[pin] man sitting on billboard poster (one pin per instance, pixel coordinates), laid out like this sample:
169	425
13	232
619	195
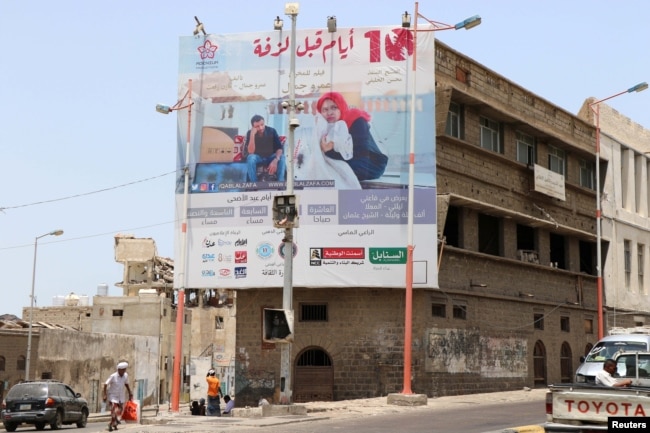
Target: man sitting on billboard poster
263	146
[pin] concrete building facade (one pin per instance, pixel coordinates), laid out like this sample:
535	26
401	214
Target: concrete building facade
625	203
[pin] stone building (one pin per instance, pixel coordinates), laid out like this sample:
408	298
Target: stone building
516	304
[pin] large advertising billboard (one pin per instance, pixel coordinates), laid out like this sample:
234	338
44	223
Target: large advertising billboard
350	158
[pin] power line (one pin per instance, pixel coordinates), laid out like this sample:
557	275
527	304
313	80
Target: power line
4	208
88	236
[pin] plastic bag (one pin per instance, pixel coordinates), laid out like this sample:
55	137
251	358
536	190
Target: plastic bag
130	412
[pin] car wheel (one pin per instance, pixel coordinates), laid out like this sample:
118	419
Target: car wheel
84	419
40	426
10	426
57	422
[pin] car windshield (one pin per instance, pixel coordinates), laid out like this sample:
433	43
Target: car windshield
606	349
31	390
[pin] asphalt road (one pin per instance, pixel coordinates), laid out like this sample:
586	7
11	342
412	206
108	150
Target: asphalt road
472	419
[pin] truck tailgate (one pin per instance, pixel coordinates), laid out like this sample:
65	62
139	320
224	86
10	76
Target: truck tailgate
595	404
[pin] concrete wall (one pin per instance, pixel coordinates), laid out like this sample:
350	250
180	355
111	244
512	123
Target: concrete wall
13	349
84	361
149	315
77	317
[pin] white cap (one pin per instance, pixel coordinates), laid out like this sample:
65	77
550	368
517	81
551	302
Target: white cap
122	365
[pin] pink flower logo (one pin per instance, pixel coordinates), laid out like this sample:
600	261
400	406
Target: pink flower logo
207	50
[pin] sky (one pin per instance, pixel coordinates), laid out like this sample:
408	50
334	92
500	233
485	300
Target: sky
83	150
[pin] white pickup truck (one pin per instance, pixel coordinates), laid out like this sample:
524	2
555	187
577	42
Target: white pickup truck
586	407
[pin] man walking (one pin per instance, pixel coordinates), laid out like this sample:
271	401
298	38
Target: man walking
263	146
114	393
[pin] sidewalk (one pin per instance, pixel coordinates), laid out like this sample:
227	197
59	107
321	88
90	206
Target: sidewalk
274	415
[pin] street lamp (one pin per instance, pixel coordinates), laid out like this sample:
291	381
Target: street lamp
31	302
178	349
408	313
291	10
595	107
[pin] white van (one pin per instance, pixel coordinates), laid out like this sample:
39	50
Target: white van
618	340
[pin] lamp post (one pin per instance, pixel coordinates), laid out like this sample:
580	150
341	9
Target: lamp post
408	307
182	274
291	10
595	107
31	302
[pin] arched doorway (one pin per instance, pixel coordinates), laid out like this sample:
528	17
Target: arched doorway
566	363
314	376
539	364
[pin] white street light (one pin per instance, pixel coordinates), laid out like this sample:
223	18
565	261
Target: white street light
182	270
595	107
31	302
408	313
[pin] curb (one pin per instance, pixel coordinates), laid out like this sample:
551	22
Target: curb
525	429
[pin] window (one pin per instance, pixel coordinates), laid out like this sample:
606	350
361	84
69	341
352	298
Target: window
525	237
587	174
118	313
20	363
218	322
454	127
558	244
460	310
490	138
589	326
525	148
489	235
564	324
640	259
313	312
2	363
556	160
587	257
627	260
538	321
453	227
438	309
566	366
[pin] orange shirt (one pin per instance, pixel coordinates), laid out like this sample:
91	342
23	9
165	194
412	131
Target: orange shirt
213	386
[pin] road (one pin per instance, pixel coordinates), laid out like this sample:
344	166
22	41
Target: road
464	416
472	419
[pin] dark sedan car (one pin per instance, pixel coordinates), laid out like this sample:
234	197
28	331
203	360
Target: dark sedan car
43	403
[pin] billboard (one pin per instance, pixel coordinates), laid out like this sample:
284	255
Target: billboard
350	158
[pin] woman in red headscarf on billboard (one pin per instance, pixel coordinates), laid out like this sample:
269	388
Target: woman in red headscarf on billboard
367	161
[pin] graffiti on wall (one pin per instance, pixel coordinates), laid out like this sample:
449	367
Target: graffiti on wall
466	351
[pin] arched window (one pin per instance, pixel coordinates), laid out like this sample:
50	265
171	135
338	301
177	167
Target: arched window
566	363
20	364
314	357
539	364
